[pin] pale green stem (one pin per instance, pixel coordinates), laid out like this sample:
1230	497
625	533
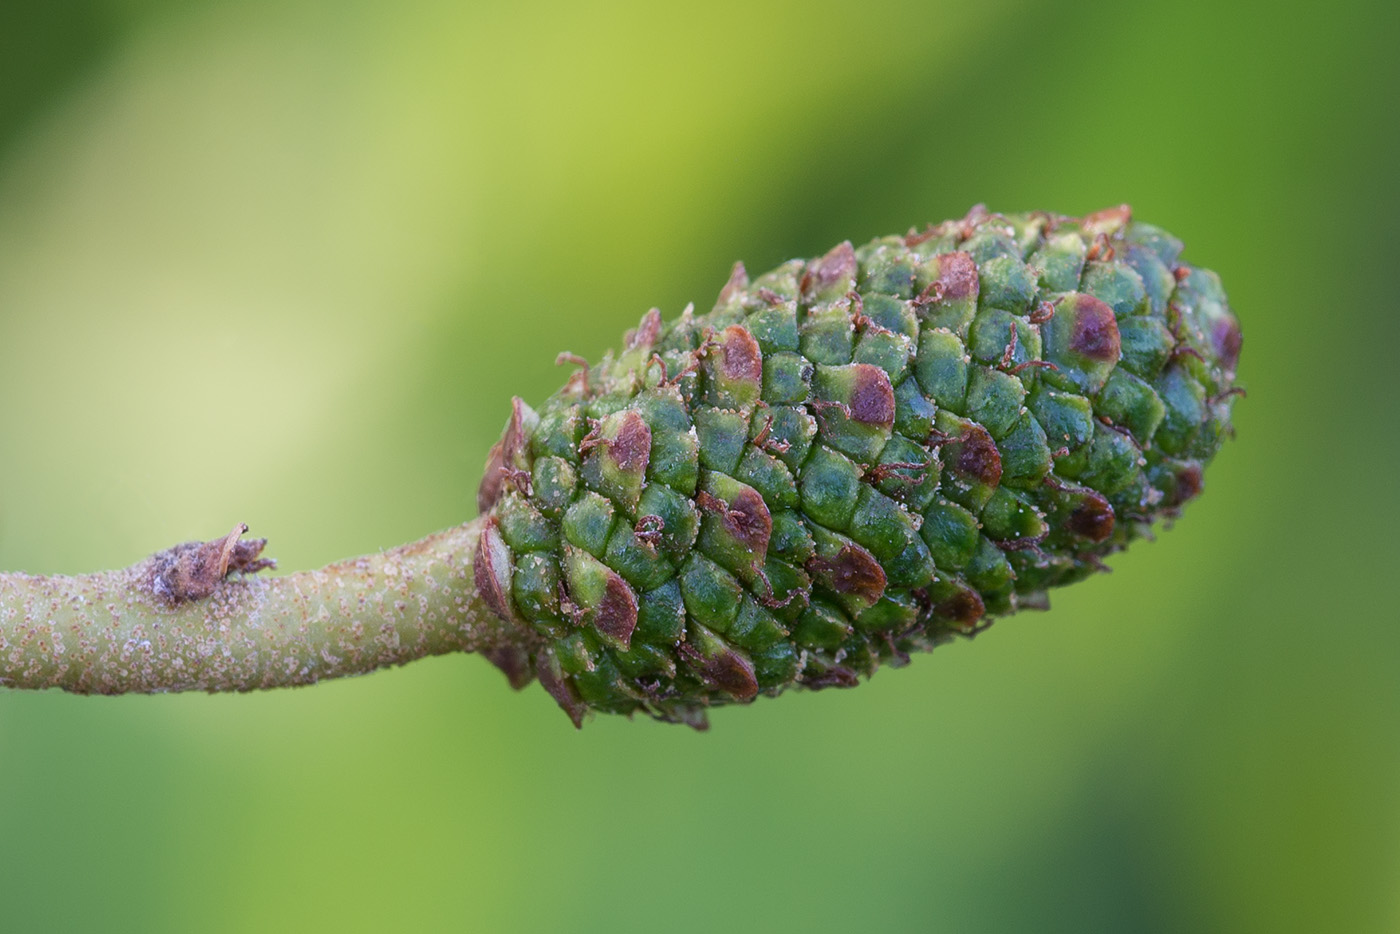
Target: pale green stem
110	632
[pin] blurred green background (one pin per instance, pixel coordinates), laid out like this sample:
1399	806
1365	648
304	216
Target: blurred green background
286	262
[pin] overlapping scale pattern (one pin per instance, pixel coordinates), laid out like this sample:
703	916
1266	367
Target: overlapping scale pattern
853	458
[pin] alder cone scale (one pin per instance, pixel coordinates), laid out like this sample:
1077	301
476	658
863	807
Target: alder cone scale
853	458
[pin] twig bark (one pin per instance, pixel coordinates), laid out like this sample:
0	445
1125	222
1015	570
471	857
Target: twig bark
174	622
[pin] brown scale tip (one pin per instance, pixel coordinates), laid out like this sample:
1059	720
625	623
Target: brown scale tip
726	670
740	358
631	447
839	263
738	281
1092	519
503	454
872	396
647	331
514	663
1228	342
561	689
975	455
852	571
963	609
1189	482
1109	220
837	676
191	570
491	570
1095	332
617	611
957	273
746	519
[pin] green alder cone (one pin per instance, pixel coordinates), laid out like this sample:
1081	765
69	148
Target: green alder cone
851	459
